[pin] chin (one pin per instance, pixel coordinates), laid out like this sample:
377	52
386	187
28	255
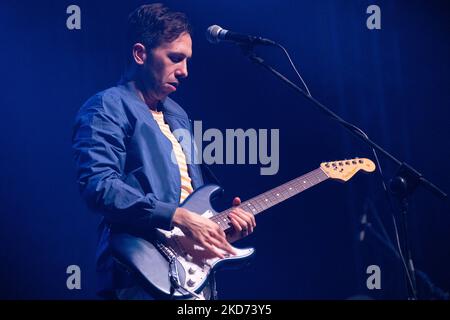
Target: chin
163	94
169	91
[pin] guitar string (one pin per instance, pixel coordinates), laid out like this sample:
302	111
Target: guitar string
275	195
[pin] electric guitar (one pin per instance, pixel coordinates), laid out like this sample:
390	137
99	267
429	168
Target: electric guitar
173	265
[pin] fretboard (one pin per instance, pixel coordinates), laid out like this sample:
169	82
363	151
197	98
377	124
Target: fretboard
274	196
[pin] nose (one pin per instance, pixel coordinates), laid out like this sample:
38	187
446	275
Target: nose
182	70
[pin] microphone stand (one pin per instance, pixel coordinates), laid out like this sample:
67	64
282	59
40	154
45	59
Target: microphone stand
402	185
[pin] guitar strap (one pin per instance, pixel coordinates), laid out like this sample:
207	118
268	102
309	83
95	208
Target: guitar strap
212	284
210	174
212	277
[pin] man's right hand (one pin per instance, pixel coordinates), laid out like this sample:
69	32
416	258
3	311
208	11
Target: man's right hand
202	230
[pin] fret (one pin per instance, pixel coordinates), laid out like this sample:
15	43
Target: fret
308	182
277	196
301	183
253	208
267	202
291	189
256	205
261	203
273	198
222	220
250	206
285	194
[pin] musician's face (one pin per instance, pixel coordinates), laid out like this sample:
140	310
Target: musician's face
167	64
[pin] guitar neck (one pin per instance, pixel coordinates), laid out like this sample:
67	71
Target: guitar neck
274	196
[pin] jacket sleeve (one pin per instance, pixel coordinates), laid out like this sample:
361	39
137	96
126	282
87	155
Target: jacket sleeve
99	144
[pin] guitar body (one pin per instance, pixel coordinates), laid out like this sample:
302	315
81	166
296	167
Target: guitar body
150	258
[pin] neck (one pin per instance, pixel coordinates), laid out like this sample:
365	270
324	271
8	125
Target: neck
143	89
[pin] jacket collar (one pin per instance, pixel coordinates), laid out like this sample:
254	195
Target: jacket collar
167	106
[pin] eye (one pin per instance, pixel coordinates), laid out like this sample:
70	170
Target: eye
176	58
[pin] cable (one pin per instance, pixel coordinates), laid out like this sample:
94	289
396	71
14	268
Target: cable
293	67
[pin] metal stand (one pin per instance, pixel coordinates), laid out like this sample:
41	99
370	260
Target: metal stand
401	186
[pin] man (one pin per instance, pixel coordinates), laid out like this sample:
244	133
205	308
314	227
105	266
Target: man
123	142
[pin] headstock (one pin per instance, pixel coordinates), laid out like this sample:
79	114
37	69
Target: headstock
344	170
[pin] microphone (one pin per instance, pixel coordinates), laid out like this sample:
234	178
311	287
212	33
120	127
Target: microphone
215	34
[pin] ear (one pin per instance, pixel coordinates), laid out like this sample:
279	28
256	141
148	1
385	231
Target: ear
139	53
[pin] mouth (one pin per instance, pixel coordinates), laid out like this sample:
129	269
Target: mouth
174	84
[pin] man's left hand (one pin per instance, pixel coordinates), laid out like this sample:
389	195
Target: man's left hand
242	221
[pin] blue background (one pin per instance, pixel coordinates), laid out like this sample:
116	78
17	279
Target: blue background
392	82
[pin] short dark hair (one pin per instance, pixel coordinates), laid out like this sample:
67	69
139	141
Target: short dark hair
154	24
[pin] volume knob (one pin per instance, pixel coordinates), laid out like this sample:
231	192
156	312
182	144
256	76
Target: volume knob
190	283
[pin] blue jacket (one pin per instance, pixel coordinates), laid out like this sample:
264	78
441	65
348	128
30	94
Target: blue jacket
125	171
